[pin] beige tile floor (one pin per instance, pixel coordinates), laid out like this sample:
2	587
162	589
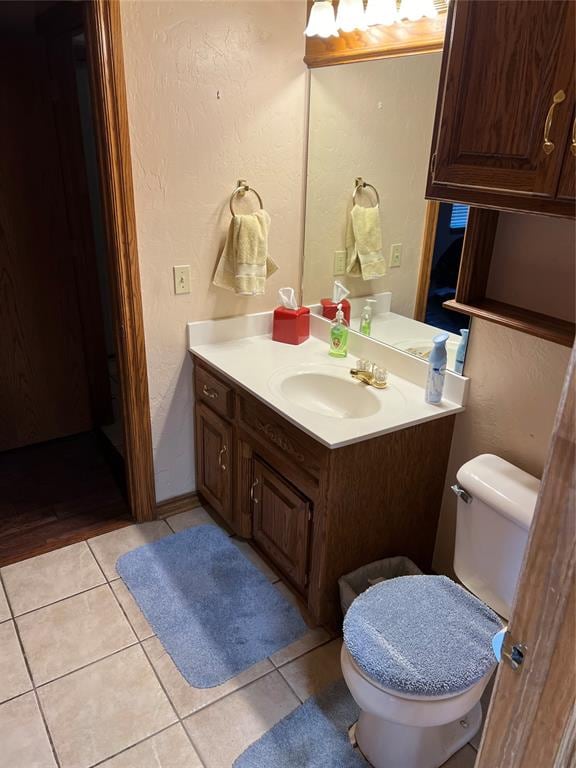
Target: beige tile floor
84	682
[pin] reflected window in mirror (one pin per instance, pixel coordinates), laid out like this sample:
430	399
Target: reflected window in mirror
450	230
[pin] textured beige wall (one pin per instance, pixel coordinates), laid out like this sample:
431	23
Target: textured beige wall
371	119
534	264
216	92
515	386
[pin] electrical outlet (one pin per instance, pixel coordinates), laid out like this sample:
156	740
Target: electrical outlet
182	279
396	254
340	259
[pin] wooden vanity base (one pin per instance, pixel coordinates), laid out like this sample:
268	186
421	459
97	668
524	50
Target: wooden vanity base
316	513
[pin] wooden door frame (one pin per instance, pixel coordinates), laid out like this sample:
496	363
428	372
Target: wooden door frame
426	255
102	26
531	720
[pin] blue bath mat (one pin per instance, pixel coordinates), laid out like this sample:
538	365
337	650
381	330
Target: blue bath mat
213	611
313	736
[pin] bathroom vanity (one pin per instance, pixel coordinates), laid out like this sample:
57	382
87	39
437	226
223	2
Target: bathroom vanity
317	495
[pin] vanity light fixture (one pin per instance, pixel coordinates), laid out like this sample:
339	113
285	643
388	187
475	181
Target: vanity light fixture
381	12
416	9
351	15
322	22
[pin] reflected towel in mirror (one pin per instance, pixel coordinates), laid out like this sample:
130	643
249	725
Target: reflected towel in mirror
245	264
364	243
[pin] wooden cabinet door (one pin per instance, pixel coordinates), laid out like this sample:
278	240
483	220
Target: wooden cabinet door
214	460
567	185
503	64
281	523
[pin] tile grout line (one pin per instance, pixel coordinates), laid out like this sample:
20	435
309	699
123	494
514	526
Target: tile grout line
278	667
29	670
290	687
160	683
141	644
181	719
131	746
60	600
275	668
85	666
138	642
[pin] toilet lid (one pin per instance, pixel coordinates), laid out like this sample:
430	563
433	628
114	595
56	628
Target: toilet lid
421	635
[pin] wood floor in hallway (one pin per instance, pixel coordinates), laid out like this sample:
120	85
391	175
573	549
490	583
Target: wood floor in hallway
57	493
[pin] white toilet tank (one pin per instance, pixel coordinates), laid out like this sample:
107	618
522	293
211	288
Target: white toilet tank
494	516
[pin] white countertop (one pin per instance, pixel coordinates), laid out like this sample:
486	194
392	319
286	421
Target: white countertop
255	362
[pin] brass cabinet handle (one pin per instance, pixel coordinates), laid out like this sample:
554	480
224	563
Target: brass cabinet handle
211	393
221	453
573	145
252	489
548	145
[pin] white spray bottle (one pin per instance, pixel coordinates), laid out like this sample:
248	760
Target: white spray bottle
436	369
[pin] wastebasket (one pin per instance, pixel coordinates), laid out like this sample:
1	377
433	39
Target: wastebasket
353	584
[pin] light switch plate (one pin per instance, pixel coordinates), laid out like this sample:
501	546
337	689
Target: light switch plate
396	254
339	263
182	279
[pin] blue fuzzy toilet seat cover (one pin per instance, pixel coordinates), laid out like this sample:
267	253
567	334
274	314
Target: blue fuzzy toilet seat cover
421	635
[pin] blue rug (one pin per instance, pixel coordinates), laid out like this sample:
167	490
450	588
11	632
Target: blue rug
213	611
313	736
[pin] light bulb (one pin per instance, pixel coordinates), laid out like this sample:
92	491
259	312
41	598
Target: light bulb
429	9
321	22
411	10
350	15
381	12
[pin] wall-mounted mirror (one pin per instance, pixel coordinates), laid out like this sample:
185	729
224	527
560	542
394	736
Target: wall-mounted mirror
373	120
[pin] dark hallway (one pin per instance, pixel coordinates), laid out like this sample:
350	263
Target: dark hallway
61	453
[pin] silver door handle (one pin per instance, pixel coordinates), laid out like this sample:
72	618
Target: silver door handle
252	489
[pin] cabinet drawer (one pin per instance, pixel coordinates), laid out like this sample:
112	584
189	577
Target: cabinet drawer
272	430
210	390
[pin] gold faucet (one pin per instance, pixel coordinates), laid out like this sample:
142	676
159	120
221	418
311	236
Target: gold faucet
368	377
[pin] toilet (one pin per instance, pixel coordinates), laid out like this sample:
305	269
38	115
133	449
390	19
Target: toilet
417	651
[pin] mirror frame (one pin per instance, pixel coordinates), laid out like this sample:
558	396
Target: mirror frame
426	254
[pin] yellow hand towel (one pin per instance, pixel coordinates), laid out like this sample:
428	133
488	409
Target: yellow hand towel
364	243
245	263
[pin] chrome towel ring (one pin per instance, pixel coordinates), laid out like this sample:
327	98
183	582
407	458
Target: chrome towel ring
361	185
240	191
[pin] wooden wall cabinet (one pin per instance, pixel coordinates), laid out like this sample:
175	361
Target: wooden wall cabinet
316	513
500	140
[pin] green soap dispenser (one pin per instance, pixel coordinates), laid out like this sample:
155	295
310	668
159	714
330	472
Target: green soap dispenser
366	317
339	335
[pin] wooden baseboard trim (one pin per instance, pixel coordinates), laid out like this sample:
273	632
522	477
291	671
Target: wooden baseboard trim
177	504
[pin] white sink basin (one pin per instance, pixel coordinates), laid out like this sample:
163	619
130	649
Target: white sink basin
330	391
